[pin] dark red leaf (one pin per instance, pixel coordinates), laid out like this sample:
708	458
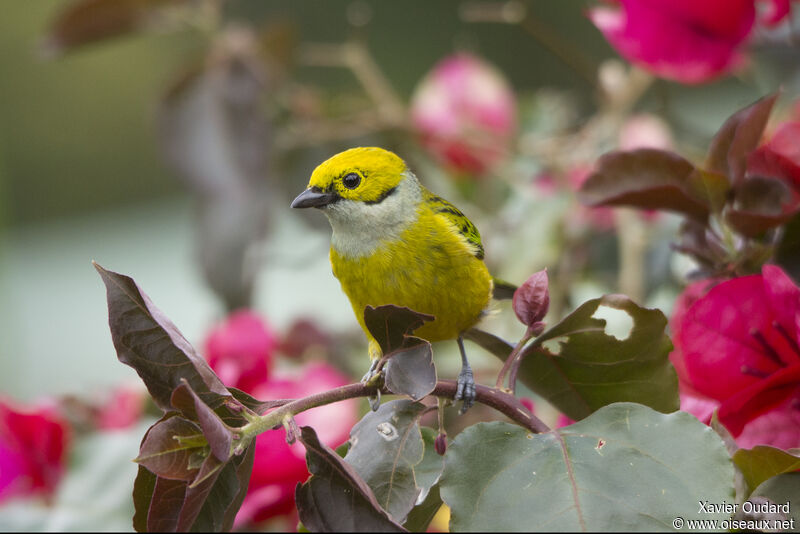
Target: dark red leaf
88	21
149	342
389	325
336	498
170	448
760	204
647	179
737	137
143	488
218	434
166	505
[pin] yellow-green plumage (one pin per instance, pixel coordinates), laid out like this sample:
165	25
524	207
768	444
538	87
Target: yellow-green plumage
394	242
432	269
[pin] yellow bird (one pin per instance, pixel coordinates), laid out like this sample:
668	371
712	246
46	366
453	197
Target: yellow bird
395	242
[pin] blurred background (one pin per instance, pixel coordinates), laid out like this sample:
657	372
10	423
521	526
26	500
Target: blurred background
165	139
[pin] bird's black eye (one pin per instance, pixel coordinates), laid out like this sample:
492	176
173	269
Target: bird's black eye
351	180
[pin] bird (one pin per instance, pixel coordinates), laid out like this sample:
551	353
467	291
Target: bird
395	242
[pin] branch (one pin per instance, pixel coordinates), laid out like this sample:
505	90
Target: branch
503	402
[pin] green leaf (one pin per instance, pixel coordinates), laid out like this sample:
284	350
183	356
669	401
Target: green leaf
410	370
647	179
335	498
625	467
737	137
168	456
148	341
422	514
386	445
579	367
390	325
428	471
427	474
762	463
783	489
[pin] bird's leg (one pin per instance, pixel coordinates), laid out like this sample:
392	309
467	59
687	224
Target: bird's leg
466	383
373	376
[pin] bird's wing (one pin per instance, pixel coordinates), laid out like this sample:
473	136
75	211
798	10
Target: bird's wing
462	225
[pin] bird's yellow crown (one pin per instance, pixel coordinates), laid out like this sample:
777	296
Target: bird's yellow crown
378	171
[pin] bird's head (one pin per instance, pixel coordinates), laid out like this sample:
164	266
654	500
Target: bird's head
367	193
365	174
359	182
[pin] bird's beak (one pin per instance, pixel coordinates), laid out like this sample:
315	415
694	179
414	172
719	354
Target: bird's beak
314	199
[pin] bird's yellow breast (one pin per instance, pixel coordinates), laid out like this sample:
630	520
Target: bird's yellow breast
429	269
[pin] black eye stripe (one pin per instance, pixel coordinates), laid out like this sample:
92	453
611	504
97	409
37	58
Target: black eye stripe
351	180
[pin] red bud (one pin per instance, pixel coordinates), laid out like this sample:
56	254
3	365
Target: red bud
532	299
440	444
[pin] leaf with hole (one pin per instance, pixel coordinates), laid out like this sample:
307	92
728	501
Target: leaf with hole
579	367
386	446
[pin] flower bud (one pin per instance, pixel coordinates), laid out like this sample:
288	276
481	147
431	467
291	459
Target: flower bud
465	113
440	444
531	300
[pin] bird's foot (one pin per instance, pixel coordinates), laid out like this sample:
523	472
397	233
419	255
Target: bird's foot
466	389
374	377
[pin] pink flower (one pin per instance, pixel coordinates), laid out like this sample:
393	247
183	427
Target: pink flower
122	409
465	113
645	130
736	345
683	40
240	350
279	466
33	450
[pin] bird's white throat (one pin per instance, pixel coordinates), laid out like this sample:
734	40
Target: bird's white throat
360	228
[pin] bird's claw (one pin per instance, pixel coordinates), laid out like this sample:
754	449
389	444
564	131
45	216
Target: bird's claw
374	377
465	390
375	400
